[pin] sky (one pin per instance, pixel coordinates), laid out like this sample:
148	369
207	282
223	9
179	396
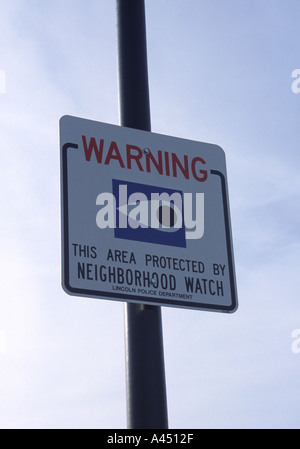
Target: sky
219	72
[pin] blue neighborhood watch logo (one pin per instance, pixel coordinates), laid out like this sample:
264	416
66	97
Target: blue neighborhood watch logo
146	213
153	214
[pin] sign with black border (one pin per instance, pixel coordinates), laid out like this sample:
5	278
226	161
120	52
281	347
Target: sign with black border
145	218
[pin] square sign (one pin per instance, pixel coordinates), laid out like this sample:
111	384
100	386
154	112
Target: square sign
145	218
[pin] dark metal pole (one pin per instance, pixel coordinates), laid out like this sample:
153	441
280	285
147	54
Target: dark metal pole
145	372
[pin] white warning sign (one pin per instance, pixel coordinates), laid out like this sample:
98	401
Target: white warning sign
145	218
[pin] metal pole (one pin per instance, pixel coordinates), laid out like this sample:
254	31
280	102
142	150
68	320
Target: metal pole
145	372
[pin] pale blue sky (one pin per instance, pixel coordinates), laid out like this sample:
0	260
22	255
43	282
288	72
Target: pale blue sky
220	72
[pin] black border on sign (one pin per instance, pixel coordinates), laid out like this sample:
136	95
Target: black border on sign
130	298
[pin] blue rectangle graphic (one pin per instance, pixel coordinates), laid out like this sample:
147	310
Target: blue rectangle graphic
148	213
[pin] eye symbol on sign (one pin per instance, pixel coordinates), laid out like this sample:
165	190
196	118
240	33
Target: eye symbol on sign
156	214
169	216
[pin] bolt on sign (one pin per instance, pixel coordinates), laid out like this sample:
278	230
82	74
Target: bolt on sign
145	218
